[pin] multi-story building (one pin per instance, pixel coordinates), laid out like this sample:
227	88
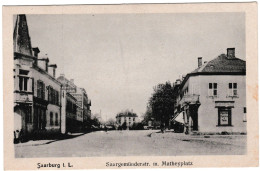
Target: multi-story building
69	113
212	98
36	92
81	99
126	118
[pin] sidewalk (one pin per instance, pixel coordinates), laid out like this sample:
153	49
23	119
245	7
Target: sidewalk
238	140
42	142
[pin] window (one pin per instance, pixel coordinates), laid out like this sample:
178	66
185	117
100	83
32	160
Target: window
53	96
23	82
56	119
40	89
224	117
232	87
213	89
23	72
133	119
244	118
51	118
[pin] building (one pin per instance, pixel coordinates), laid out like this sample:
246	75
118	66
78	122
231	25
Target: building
83	112
69	118
37	107
212	98
126	119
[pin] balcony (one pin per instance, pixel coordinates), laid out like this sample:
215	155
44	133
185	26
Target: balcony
189	99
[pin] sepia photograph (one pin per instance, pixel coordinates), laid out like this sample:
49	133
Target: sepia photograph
129	84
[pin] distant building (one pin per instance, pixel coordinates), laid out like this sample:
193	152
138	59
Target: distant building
83	112
37	107
212	98
126	119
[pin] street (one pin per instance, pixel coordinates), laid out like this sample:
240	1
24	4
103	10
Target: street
135	143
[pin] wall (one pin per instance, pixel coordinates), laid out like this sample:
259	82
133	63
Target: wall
54	109
208	114
48	81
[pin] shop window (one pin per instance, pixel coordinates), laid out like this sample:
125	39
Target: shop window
224	117
51	118
213	89
232	87
56	119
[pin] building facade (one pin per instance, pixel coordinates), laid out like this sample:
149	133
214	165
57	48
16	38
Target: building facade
81	100
212	98
37	108
69	118
126	119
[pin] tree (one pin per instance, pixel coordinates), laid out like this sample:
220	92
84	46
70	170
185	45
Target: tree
111	122
95	120
147	116
162	103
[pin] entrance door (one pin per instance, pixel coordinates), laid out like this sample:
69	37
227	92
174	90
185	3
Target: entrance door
194	116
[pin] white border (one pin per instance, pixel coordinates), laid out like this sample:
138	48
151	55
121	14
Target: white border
67	2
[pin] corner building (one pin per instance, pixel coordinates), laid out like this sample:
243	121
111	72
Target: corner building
212	98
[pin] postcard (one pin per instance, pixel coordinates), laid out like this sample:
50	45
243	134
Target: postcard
130	86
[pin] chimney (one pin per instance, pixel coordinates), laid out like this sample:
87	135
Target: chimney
199	61
54	66
72	80
36	51
230	53
46	64
46	60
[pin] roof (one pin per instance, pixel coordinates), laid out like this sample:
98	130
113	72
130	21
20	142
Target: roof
21	38
222	64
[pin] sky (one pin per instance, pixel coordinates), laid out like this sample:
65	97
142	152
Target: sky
118	58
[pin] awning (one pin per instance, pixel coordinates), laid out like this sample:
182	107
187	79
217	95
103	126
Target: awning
179	118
